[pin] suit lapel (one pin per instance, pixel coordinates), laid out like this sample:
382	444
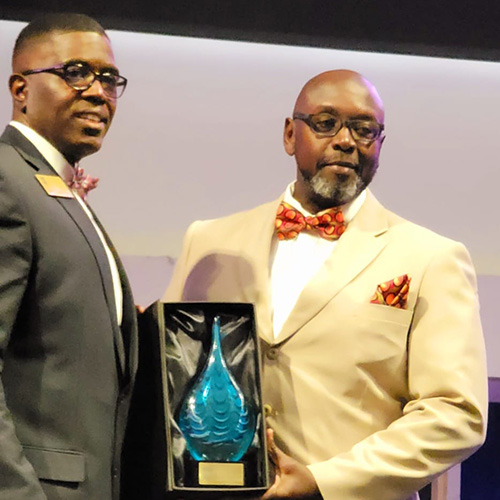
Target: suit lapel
358	246
129	321
86	227
26	149
33	157
258	239
126	334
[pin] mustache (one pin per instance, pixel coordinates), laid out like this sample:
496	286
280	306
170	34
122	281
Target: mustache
325	162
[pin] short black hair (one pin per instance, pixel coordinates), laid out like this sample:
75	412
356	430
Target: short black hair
48	23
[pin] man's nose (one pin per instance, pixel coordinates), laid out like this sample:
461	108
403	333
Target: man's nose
343	139
95	90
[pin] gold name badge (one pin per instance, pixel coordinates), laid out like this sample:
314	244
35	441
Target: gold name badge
54	186
221	474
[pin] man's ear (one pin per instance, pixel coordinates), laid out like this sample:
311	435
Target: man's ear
18	90
289	136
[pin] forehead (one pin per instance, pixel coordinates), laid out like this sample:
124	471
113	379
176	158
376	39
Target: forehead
58	47
347	97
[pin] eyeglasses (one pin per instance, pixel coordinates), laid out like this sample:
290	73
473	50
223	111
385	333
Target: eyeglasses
328	125
80	76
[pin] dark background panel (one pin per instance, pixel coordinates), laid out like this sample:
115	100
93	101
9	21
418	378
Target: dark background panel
480	473
464	29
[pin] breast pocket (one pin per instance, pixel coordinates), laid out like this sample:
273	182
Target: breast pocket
381	340
56	465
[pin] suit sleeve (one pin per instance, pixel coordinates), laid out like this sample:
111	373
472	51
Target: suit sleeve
445	419
18	479
174	292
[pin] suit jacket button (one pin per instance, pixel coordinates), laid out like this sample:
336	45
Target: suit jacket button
272	353
269	411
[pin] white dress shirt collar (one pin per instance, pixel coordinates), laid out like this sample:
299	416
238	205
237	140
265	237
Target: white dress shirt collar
349	210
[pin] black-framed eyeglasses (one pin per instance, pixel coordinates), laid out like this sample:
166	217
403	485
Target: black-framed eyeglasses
329	125
80	76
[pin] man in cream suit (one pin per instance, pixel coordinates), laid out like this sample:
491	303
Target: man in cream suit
68	335
374	370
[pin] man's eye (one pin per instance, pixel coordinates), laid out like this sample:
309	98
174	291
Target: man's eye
76	72
365	130
325	123
108	79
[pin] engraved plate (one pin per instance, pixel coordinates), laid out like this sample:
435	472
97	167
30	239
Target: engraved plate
221	474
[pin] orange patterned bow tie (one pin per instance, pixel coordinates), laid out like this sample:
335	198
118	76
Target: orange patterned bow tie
82	183
329	223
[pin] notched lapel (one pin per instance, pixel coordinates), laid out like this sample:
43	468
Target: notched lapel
26	149
128	327
356	249
35	162
80	218
258	246
32	156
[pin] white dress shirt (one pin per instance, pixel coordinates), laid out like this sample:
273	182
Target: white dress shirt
57	161
294	262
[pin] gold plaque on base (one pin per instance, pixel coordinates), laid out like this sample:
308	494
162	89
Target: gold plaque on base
221	474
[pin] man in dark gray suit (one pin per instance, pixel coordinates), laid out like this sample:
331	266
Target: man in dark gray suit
68	335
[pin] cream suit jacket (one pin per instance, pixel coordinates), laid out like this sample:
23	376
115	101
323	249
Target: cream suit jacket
376	400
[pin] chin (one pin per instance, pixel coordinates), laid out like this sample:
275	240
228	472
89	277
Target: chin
90	149
334	192
92	141
81	150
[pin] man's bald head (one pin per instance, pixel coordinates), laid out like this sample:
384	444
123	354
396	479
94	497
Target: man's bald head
342	80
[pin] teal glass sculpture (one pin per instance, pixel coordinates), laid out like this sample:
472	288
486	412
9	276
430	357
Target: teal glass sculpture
216	421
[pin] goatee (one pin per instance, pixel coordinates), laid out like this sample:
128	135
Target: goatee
327	192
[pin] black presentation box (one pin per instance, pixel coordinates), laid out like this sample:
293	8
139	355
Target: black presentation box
176	339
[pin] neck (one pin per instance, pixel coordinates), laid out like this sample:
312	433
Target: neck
310	204
301	196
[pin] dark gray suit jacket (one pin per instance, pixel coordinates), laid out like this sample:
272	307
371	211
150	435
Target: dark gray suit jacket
66	367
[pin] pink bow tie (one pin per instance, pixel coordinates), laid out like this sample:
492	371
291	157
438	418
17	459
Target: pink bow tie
82	183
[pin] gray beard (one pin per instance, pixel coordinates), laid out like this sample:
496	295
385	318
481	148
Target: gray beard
326	193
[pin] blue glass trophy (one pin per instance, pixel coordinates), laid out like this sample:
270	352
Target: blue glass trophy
211	441
216	421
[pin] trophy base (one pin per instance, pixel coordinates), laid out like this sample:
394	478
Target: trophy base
221	474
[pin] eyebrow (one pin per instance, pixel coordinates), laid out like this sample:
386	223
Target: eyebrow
333	111
104	69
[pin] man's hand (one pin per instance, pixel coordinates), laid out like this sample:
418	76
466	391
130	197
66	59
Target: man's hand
293	480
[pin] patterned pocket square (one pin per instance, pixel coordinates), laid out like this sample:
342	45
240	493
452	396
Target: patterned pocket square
393	293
